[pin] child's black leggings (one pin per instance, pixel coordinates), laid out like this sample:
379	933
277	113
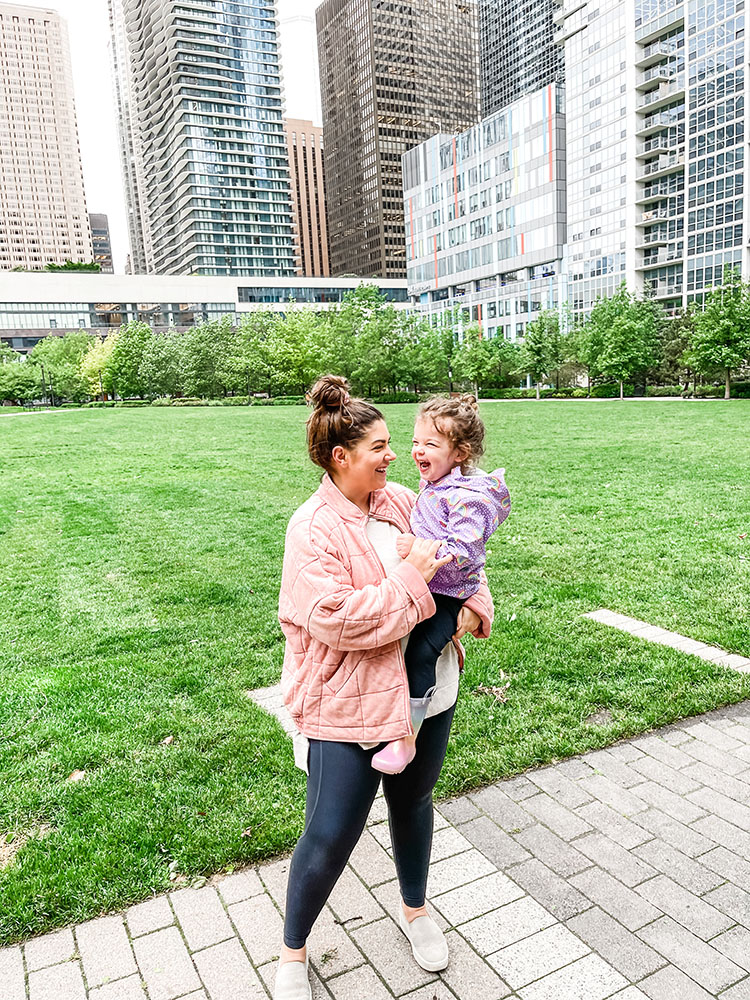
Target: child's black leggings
427	640
341	787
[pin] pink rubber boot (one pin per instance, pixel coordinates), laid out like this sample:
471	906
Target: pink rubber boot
398	754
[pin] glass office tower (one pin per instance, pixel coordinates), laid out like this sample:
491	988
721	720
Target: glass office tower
517	50
391	75
203	147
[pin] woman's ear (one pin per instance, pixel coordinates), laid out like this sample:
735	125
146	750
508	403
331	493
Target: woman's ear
338	454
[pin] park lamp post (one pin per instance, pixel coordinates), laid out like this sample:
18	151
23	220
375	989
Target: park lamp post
44	388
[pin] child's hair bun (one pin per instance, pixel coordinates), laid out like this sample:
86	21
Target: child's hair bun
470	400
330	392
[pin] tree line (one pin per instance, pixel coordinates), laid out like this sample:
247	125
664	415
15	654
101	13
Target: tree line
382	351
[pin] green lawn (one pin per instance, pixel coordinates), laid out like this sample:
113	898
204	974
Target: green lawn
139	566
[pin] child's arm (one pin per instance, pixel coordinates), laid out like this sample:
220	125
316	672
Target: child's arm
470	524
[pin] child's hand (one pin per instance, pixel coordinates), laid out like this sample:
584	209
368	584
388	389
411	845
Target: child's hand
404	544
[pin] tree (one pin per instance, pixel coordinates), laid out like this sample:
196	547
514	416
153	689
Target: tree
721	339
289	350
619	339
474	357
204	349
61	359
127	355
248	365
544	350
630	341
90	268
96	366
160	368
19	380
676	336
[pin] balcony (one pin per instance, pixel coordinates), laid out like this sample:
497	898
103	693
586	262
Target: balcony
661	73
656	26
656	238
664	94
657	50
662	257
659	120
665	290
664	165
658	215
661	143
655	192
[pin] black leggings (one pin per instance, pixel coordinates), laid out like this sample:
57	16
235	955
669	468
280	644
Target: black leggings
426	642
341	787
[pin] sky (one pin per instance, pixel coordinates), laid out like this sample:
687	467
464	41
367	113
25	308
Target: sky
88	28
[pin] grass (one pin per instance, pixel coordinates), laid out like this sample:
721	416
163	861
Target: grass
139	566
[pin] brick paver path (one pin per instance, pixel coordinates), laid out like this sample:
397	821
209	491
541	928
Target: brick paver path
620	873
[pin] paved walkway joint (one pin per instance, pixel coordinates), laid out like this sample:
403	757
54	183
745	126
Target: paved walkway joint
662	636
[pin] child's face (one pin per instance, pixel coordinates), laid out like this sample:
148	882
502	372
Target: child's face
433	452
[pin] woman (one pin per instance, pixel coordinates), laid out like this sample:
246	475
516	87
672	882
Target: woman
347	605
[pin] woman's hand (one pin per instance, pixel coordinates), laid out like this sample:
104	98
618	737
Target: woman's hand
424	559
468	621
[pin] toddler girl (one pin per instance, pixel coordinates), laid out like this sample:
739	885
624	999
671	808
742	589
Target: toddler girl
460	506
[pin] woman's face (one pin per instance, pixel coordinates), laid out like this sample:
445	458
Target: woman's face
365	466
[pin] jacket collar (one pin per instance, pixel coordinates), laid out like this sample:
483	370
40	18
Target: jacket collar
380	502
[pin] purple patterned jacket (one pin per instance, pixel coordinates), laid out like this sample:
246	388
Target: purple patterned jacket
461	512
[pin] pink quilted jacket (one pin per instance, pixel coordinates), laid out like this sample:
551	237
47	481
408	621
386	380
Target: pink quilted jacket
344	677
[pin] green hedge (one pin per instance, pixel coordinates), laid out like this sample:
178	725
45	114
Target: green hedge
664	390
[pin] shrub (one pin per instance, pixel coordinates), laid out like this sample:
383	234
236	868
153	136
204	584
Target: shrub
664	390
99	403
741	390
563	393
708	392
287	401
132	402
395	397
610	390
580	393
161	401
516	394
189	401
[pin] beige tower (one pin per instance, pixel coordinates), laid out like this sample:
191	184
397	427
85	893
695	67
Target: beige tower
43	216
305	143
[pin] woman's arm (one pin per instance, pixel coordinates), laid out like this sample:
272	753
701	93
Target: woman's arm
317	593
481	604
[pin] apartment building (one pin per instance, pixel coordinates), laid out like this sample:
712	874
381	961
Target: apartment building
202	136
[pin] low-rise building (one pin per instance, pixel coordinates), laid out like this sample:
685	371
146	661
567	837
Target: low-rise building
34	306
485	217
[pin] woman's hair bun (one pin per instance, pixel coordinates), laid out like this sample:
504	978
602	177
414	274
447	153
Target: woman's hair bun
330	392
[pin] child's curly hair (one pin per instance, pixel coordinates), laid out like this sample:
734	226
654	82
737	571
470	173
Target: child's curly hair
458	419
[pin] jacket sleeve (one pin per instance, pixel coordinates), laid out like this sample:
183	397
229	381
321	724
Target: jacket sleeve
321	598
470	524
481	603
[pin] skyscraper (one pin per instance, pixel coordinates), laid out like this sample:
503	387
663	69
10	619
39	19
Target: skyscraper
43	216
656	128
203	150
391	76
305	144
102	242
517	50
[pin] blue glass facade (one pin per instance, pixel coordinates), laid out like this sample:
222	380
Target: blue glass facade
210	159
